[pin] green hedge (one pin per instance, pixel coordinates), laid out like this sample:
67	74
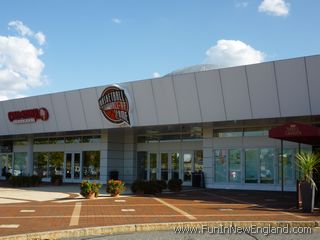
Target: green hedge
25	181
148	187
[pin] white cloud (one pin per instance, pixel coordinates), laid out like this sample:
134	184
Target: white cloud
116	20
25	31
156	75
275	7
41	38
228	53
20	65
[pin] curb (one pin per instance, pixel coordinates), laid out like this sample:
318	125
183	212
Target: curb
130	228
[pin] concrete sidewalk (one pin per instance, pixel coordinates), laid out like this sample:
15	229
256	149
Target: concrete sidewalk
104	215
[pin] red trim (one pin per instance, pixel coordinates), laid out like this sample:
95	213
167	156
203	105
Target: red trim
296	132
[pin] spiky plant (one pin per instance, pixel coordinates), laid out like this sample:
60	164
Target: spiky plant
308	163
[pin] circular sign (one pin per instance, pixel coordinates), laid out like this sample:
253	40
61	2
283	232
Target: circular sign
114	105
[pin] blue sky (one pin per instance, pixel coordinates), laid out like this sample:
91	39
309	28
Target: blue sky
80	43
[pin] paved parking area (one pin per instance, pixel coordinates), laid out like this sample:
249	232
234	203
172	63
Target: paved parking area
66	209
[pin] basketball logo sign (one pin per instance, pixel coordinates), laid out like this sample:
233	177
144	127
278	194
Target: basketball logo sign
114	105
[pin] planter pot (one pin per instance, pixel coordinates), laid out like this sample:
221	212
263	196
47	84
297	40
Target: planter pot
307	195
115	195
91	196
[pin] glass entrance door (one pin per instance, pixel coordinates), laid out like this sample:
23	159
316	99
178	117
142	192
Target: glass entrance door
188	168
73	166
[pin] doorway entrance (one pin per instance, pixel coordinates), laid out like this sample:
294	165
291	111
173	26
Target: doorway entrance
166	165
73	166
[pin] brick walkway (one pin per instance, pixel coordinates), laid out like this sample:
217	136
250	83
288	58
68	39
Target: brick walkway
193	205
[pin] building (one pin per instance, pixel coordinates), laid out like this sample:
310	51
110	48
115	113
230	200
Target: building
215	121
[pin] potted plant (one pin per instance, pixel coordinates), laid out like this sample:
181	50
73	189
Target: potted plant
115	187
89	190
307	163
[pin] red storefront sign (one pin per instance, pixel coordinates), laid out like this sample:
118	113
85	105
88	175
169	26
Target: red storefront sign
29	115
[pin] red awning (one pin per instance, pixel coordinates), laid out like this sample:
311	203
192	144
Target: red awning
297	132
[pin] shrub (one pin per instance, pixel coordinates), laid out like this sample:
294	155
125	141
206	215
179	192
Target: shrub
25	181
137	186
151	187
35	180
57	179
148	187
87	188
115	187
162	185
174	185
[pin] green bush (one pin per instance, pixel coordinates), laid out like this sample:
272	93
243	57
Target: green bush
162	185
25	181
148	187
137	186
175	185
151	187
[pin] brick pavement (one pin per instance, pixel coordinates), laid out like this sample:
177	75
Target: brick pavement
204	205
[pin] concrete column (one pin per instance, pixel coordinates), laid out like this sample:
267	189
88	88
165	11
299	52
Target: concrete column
129	159
104	158
30	156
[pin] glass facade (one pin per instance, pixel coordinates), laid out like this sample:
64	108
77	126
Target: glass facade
267	165
251	165
20	164
6	163
187	167
234	157
255	165
46	164
91	165
175	165
198	161
220	165
164	166
153	166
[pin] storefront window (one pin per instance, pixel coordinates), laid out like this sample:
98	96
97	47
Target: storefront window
73	139
251	165
234	156
221	164
91	139
142	165
164	166
198	160
59	140
187	166
266	165
91	165
6	161
46	164
41	141
222	133
170	138
20	142
56	163
153	166
175	165
20	164
40	164
288	166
